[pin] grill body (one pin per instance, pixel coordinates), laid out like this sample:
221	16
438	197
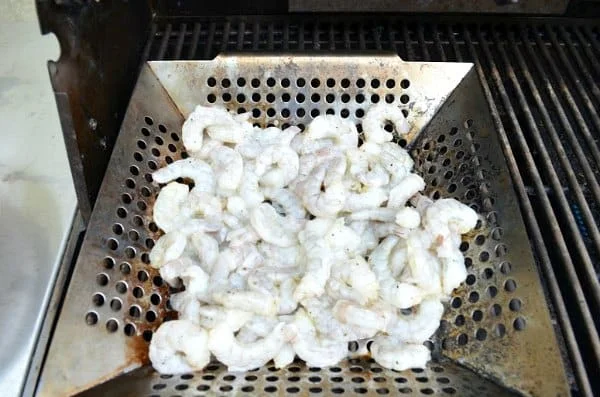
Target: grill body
539	79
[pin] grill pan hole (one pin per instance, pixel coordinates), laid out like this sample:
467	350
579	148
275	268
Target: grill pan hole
285	83
112	325
102	279
519	324
91	318
225	83
330	83
390	83
125	268
129	329
300	82
515	304
374	98
345	83
375	83
138	292
211	82
98	299
315	83
211	98
109	262
121	287
510	285
255	83
148	120
360	83
115	304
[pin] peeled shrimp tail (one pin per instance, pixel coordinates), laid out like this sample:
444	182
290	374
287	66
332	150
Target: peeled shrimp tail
391	353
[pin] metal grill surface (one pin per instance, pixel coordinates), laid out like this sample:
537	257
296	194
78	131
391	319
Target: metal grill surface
496	335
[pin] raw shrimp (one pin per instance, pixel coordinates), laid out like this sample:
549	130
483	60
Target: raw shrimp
272	227
229	168
368	238
353	280
187	306
243	357
195	125
410	185
388	352
408	218
194	278
208	147
309	347
242	236
450	214
376	119
200	204
285	356
252	301
168	204
328	326
342	240
281	257
318	269
374	214
209	316
249	189
237	207
320	200
286	203
178	347
396	161
170	246
363	197
342	132
255	143
423	266
356	315
197	170
207	249
277	166
419	325
398	294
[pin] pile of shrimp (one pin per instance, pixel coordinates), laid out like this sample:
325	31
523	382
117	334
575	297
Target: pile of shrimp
286	243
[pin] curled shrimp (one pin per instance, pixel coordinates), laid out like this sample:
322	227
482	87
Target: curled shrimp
321	200
398	294
391	353
169	246
342	132
249	188
353	280
376	119
243	357
178	347
277	166
396	161
210	316
167	208
251	301
420	324
272	227
404	190
358	316
194	278
195	125
197	170
286	203
315	351
423	265
229	167
361	197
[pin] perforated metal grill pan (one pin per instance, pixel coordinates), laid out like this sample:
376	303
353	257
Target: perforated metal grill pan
496	337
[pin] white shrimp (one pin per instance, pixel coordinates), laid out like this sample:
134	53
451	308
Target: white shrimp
237	207
318	270
376	119
169	246
420	324
277	166
272	227
167	208
242	236
209	316
285	356
255	143
187	306
309	347
342	132
328	326
449	214
358	199
423	265
398	294
396	161
281	257
374	214
249	189
408	218
356	315
178	347
200	204
252	301
229	167
208	147
243	357
408	186
353	280
194	278
197	170
388	352
286	203
366	232
319	200
195	125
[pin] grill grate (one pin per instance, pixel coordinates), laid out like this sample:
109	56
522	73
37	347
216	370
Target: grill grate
541	81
